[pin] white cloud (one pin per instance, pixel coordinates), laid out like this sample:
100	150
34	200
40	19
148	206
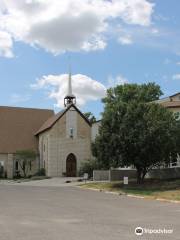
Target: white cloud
118	80
178	63
84	88
127	35
125	40
6	44
155	30
176	77
58	26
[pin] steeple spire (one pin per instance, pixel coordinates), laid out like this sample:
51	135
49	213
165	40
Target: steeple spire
70	82
70	97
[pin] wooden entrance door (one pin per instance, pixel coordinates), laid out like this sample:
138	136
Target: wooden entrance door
71	165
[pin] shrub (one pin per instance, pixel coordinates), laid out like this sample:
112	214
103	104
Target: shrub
88	167
1	171
41	172
39	177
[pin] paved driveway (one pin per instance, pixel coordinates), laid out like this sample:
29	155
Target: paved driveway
70	213
51	182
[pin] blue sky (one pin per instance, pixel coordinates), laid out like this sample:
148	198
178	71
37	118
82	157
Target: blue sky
135	46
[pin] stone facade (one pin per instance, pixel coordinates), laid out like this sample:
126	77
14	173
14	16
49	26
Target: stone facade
7	165
9	168
3	164
70	134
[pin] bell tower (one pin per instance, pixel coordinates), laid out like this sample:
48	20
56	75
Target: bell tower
70	97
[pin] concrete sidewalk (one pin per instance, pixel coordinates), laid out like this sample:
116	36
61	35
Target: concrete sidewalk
52	182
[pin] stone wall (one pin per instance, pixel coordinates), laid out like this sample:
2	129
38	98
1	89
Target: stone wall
101	175
166	173
119	174
43	150
8	161
58	143
10	166
29	172
113	175
3	162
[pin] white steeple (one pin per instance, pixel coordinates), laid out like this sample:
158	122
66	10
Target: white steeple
69	83
70	97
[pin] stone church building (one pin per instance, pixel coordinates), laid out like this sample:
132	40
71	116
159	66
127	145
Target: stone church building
62	141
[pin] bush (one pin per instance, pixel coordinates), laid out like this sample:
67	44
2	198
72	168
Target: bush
41	172
88	167
1	171
39	177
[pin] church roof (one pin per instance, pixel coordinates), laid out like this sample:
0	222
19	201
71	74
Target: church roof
178	93
18	125
171	104
51	121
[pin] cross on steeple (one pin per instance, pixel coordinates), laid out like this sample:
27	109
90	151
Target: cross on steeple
70	97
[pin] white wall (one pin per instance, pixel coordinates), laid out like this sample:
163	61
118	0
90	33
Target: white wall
71	122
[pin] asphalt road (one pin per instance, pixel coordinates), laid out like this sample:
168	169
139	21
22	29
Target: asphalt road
70	213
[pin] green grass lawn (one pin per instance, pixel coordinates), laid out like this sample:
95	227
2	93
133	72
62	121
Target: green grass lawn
169	189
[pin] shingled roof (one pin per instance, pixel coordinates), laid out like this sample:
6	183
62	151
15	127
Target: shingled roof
50	122
171	104
18	126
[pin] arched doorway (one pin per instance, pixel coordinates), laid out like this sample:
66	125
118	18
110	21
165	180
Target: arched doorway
71	165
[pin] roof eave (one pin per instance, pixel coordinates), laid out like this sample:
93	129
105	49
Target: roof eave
72	105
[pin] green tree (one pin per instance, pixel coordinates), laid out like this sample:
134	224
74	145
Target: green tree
88	167
90	117
135	131
25	158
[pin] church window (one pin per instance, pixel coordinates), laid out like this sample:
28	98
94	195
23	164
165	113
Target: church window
1	168
16	166
71	132
30	165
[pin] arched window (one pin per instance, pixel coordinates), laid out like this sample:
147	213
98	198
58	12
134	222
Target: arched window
16	166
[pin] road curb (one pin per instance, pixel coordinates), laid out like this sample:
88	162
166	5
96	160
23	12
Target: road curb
132	195
135	196
166	200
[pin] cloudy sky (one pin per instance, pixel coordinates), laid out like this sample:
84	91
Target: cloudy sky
109	42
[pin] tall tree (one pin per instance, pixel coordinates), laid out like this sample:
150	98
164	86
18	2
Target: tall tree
135	131
90	117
